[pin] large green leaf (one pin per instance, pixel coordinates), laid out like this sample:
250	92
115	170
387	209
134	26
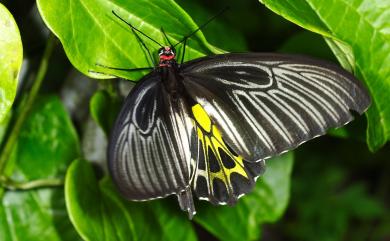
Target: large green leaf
99	213
11	56
156	220
343	53
95	215
46	145
91	34
364	27
266	203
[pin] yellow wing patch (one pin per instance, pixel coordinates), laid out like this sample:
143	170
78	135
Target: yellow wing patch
201	117
212	145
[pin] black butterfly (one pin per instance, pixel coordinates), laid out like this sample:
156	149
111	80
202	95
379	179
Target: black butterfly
208	124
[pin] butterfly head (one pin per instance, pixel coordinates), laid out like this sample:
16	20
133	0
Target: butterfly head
166	53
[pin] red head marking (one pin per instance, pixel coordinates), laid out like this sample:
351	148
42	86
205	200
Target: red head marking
166	53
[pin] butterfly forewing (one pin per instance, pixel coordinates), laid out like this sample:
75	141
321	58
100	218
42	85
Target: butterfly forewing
149	150
265	104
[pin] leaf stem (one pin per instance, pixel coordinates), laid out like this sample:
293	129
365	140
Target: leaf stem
27	105
10	184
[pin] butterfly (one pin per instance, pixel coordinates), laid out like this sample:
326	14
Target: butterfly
207	125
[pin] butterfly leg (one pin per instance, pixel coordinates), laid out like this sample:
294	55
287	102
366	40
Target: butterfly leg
184	51
102	73
145	47
135	30
124	69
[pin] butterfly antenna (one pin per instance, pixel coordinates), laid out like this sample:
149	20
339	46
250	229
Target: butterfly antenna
134	28
166	36
202	26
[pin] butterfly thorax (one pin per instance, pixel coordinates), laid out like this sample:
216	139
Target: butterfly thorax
168	69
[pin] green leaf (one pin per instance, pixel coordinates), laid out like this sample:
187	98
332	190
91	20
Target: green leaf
4	125
46	145
343	53
157	219
104	110
92	35
99	213
95	215
266	203
47	142
364	27
11	57
35	215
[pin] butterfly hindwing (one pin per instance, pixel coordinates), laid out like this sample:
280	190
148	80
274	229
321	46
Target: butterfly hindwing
149	154
220	175
266	104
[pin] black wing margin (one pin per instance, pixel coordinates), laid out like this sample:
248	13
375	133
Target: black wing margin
266	104
148	152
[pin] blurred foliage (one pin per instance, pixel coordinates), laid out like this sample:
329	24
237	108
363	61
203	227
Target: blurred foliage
46	145
101	105
340	195
339	190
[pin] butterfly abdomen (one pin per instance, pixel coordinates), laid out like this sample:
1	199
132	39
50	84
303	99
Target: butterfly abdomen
171	80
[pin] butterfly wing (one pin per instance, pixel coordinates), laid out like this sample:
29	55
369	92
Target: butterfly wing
149	154
220	175
266	104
